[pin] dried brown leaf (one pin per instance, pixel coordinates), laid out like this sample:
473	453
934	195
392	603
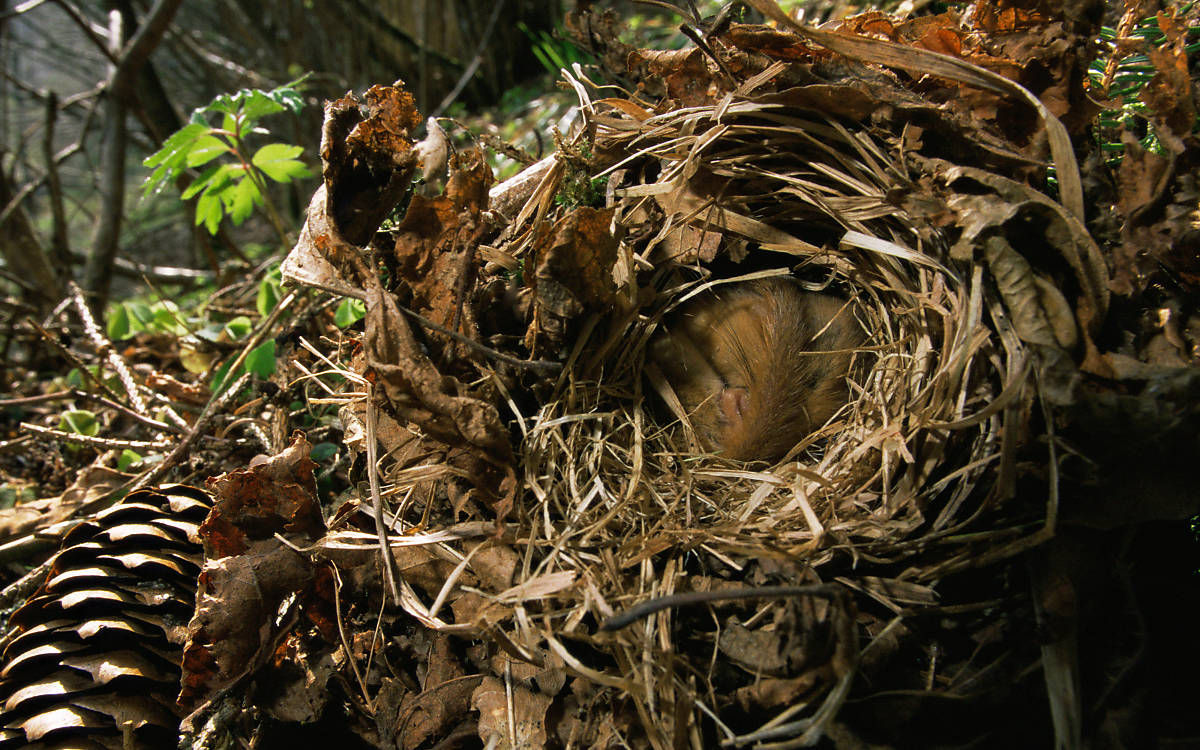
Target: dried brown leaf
527	728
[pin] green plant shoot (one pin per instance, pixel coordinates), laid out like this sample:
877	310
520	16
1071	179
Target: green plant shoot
233	178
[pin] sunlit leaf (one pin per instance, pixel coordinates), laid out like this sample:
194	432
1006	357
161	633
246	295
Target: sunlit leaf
201	183
205	149
277	161
174	150
127	458
269	292
117	327
239	327
245	195
209	212
259	104
79	421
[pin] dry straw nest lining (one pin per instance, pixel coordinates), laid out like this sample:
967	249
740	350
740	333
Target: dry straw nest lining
612	505
775	186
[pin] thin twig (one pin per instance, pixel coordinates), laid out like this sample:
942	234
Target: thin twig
540	365
84	395
75	361
98	442
647	608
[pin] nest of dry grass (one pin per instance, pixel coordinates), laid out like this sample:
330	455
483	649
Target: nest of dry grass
788	580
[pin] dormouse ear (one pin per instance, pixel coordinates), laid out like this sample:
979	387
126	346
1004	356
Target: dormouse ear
733	405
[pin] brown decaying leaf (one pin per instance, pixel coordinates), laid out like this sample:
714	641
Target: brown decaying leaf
249	573
519	723
367	167
573	264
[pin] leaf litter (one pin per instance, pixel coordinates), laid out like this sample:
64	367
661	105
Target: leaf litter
538	555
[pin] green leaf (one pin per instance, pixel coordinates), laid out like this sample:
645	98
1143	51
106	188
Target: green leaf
202	182
288	96
156	181
269	292
221	103
259	104
126	459
239	327
79	421
209	212
166	318
218	379
210	332
323	452
127	319
205	149
261	359
349	312
277	161
117	327
245	195
174	150
171	159
141	315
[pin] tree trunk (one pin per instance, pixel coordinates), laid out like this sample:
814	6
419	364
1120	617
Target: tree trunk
24	256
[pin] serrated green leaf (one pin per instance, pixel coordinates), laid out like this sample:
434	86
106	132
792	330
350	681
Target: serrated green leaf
176	146
220	103
261	359
155	182
259	104
79	421
202	182
209	211
289	97
205	149
286	171
245	195
349	312
277	161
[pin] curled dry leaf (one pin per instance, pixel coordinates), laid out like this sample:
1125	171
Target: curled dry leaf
572	272
249	575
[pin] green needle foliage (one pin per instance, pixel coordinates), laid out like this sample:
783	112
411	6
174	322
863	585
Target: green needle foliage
1132	74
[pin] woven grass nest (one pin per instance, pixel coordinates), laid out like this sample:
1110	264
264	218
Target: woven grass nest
775	153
